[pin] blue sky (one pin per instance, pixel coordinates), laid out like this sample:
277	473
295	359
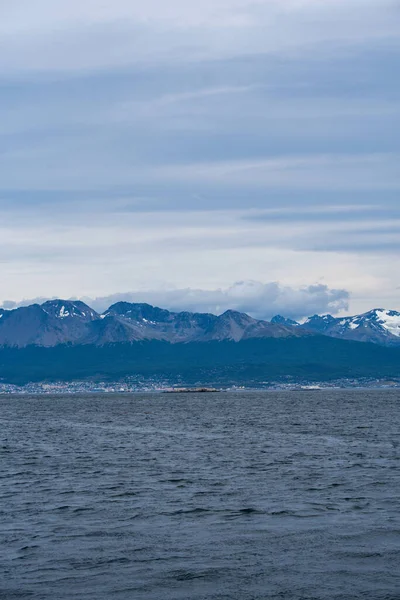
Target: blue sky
229	154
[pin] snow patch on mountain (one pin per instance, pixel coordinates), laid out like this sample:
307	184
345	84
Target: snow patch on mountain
379	326
63	313
390	320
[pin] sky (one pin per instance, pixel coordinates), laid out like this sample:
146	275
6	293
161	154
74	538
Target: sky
201	156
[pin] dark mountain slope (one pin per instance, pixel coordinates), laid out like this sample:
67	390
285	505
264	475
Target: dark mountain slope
246	362
279	320
54	322
65	322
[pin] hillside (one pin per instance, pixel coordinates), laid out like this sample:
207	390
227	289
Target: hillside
246	362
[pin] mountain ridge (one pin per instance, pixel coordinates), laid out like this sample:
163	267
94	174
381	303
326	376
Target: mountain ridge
379	326
73	322
58	322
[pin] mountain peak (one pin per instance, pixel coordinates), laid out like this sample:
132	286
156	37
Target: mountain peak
138	311
388	319
326	318
319	323
62	309
378	325
280	320
235	315
61	321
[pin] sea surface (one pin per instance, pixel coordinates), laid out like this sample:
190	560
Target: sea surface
247	496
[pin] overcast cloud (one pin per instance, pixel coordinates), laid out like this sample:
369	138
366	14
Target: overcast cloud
171	149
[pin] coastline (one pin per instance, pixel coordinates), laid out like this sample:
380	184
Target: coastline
108	388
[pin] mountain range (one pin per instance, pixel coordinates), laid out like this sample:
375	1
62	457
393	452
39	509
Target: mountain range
73	322
67	340
378	326
58	322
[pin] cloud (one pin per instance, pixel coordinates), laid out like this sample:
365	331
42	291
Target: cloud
83	35
346	248
185	145
12	304
340	172
260	300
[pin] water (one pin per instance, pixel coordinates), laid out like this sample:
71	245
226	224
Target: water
227	496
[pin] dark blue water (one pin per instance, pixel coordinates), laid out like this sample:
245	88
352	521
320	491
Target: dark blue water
220	496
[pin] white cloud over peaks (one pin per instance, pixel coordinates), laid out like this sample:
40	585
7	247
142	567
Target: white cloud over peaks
260	300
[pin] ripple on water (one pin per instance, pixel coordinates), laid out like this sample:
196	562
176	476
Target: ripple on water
241	497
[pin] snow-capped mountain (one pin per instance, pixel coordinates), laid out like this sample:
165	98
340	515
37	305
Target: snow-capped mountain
379	326
66	322
74	322
61	309
54	322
